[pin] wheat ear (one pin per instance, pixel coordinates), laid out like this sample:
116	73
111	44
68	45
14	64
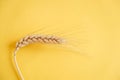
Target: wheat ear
32	39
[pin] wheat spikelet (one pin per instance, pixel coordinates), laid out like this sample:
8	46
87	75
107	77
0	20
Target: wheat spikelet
47	39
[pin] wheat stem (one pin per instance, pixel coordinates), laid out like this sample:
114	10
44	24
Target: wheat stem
16	64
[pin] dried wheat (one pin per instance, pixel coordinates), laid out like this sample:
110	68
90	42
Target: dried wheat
32	39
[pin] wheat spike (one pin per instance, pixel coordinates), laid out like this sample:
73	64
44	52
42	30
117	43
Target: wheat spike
47	39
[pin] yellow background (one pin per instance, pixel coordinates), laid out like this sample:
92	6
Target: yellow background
95	24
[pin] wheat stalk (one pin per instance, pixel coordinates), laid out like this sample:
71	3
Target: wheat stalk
47	39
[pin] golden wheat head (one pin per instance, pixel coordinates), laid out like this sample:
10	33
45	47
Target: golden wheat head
47	39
